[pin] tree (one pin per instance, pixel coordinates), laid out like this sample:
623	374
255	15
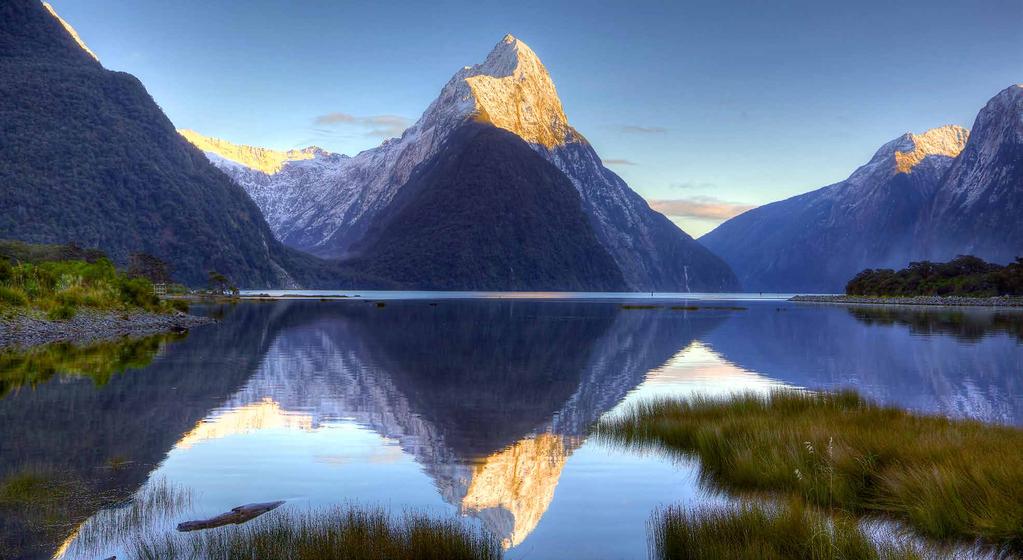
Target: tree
144	265
221	284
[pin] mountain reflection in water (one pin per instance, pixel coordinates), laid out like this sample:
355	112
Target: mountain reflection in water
490	399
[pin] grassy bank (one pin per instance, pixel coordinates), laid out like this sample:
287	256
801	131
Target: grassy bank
341	534
948	479
753	532
59	289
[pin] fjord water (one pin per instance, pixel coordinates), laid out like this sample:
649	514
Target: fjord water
459	404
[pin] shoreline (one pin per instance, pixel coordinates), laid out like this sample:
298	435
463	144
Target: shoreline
22	332
934	301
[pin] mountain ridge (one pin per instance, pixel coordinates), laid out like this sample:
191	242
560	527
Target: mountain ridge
977	210
327	207
487	213
817	241
87	156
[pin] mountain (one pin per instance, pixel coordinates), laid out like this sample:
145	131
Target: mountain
326	204
978	209
87	156
487	213
816	242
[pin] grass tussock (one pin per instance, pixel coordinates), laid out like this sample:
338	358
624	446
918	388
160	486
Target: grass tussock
341	534
948	479
157	502
753	532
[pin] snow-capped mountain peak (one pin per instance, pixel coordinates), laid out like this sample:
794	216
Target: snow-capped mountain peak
512	90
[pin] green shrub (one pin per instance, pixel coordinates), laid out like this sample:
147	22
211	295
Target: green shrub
13	296
60	286
61	313
138	292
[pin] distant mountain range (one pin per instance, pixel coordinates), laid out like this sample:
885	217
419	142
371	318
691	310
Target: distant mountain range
491	189
327	204
929	196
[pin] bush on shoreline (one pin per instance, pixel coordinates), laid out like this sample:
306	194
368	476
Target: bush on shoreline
948	479
962	276
59	289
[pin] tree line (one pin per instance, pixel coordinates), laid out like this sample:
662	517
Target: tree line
963	276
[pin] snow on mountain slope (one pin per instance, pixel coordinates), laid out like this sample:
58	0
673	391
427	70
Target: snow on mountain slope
816	242
326	204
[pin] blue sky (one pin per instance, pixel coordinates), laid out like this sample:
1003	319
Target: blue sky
707	107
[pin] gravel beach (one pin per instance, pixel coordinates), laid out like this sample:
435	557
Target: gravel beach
946	301
91	326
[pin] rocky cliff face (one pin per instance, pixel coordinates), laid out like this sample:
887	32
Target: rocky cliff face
979	208
327	204
817	241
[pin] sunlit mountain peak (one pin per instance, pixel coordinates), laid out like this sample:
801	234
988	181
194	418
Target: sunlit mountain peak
946	141
261	159
71	31
513	90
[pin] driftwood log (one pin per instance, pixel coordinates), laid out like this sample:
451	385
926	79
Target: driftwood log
236	516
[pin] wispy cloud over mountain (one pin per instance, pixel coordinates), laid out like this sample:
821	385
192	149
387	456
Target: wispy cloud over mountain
618	162
382	126
687	185
636	129
700	207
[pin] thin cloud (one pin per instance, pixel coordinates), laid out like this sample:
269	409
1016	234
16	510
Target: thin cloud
701	207
690	185
635	129
381	126
618	162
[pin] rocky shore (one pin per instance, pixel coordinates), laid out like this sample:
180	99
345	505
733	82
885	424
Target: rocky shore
23	331
946	301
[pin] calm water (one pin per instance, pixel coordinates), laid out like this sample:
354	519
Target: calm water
459	406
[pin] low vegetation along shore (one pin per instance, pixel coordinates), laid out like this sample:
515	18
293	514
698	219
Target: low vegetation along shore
956	481
350	533
81	299
754	532
964	276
